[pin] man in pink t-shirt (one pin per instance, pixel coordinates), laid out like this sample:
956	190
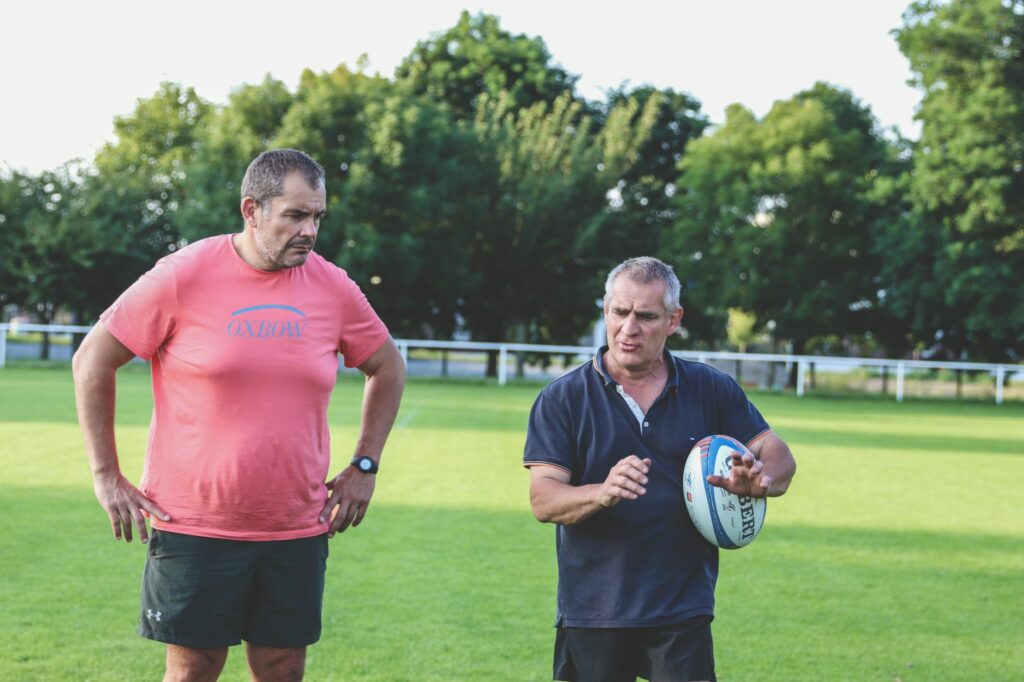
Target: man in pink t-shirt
243	332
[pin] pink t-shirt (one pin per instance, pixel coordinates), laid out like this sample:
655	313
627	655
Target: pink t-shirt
243	364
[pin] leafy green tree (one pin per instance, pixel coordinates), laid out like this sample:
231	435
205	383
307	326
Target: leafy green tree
328	121
775	216
123	215
45	263
910	307
145	168
400	184
476	56
641	205
410	193
967	184
552	171
13	237
227	140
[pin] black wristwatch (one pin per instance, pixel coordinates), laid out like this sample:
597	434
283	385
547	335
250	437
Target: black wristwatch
364	464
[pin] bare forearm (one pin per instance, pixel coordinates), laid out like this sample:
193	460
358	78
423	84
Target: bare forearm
95	391
95	369
556	502
779	464
381	399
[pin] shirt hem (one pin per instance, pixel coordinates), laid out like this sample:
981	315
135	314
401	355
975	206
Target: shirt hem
248	536
123	338
385	335
531	462
634	622
758	437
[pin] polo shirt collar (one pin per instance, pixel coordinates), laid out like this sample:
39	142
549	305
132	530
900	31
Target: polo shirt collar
673	371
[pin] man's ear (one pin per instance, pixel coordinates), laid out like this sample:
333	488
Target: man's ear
676	318
248	208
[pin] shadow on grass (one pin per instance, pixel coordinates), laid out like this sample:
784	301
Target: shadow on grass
412	594
419	593
869	604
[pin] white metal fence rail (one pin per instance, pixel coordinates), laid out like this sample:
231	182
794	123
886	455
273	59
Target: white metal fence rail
999	372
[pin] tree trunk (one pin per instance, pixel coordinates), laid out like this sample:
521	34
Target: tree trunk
771	366
798	349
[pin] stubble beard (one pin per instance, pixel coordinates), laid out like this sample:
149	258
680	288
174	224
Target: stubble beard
277	256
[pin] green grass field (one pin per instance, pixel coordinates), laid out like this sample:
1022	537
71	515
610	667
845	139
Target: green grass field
897	555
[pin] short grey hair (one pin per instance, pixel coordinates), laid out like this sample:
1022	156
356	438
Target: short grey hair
646	269
264	179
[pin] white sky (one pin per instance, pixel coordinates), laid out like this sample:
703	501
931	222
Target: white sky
67	68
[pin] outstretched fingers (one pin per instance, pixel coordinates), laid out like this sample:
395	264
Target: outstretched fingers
747	477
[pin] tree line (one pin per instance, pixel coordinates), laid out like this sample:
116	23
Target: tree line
476	191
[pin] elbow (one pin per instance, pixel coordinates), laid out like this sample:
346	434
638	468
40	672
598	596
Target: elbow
392	374
79	361
541	511
546	514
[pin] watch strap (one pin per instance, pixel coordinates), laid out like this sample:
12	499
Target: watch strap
364	464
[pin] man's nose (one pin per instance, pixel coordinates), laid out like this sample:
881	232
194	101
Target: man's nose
630	326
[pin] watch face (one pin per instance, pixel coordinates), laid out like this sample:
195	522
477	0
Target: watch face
364	464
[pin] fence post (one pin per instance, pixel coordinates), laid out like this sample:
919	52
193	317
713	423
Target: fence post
502	365
900	370
1000	373
800	365
3	349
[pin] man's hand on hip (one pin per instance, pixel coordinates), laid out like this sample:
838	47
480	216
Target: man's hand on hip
125	504
351	491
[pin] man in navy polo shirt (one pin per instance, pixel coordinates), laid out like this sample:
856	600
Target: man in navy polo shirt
605	448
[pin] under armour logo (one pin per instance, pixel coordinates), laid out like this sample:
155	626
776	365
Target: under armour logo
153	615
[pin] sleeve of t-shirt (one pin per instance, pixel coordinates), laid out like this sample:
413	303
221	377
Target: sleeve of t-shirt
736	414
362	331
143	318
549	438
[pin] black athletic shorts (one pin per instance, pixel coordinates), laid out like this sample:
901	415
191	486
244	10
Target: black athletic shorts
208	593
671	653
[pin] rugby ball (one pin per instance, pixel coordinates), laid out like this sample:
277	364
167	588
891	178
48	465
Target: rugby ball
724	519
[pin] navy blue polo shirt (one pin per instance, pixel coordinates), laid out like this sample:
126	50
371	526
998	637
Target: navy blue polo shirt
640	563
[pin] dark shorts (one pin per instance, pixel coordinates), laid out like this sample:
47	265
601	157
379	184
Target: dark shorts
672	653
207	593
